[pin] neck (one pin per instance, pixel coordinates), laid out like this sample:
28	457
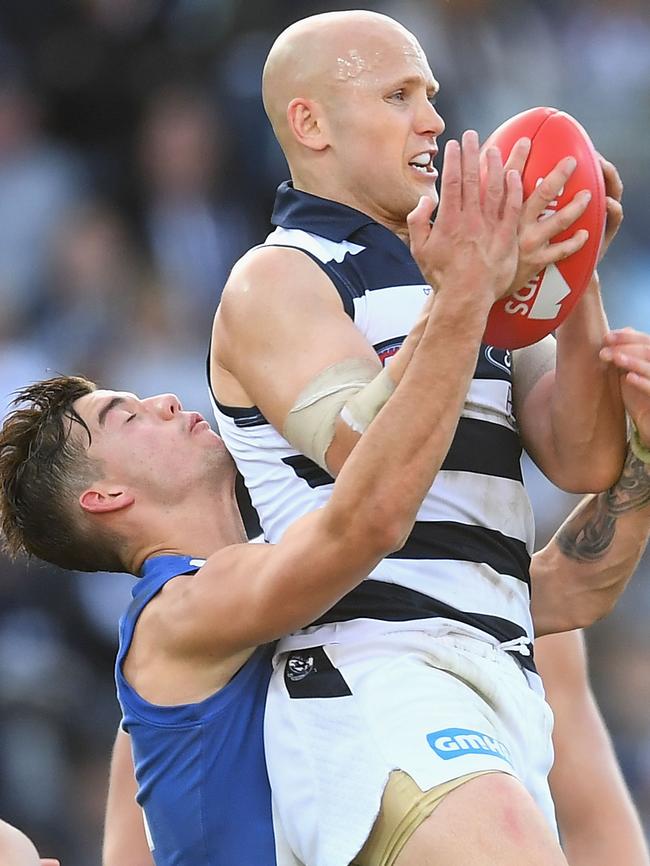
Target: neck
199	529
325	186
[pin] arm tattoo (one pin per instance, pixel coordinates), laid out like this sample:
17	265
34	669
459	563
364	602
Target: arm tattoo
589	533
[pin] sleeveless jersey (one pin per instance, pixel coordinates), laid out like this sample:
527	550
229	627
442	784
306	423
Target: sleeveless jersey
467	558
200	767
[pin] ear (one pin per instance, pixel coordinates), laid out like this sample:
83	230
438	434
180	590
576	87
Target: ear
307	123
103	501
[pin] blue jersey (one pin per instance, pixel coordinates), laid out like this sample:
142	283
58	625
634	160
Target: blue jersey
200	767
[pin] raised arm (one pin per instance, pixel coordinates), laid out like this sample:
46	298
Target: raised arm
570	410
597	819
249	595
125	842
281	327
580	574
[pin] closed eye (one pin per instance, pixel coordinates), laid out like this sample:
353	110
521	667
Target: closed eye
130	418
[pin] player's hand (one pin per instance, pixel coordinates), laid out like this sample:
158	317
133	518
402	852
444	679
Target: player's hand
540	222
613	198
629	351
473	242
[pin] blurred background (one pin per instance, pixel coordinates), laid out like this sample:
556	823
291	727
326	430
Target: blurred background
136	165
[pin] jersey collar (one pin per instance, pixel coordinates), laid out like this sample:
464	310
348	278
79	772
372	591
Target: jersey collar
295	209
167	564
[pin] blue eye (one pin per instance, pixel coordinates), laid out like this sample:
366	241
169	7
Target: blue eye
399	94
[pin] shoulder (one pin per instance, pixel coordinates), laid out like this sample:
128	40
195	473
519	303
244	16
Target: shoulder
267	273
273	287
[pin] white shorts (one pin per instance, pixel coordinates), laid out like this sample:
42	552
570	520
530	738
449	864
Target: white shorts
339	719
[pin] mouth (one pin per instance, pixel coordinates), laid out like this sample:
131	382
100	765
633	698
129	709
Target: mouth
195	419
423	164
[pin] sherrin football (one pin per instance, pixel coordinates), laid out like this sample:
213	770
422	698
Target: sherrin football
537	308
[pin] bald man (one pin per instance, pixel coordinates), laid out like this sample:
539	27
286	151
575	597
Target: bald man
416	698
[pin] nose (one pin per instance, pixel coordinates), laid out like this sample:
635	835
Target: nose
165	405
429	122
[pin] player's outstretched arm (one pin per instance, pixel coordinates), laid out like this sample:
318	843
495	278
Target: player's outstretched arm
281	325
17	850
125	842
246	595
597	819
569	407
580	574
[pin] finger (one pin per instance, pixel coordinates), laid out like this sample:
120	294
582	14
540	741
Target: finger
419	222
550	187
641	383
563	249
518	155
450	182
637	352
627	361
470	171
613	182
622	336
552	225
614	214
494	191
513	202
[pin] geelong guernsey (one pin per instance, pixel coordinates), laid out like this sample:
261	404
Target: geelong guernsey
467	558
200	767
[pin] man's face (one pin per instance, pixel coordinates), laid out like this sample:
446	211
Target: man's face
384	125
152	446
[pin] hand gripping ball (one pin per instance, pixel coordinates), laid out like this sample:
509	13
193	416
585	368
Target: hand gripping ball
537	308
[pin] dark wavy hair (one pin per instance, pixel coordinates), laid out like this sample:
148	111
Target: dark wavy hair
43	470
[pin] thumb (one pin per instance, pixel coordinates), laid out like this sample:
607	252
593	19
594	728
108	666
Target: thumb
419	222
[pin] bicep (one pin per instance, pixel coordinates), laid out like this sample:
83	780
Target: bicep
281	322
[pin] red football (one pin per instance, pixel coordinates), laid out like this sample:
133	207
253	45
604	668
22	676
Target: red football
541	305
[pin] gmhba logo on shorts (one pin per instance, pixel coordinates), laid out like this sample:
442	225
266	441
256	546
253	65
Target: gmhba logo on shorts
456	742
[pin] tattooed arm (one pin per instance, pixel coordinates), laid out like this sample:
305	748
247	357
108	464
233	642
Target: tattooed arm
577	578
591	557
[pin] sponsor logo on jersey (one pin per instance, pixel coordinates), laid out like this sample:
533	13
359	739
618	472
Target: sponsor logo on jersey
456	742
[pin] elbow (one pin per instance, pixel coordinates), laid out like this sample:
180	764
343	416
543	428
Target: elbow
589	477
388	532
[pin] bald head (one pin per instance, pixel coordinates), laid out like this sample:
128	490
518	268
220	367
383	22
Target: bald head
321	57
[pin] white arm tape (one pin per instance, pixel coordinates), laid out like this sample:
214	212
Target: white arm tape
352	389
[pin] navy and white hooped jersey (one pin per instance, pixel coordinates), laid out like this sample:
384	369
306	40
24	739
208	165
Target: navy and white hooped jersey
200	768
467	558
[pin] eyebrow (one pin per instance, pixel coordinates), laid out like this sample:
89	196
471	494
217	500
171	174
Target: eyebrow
417	79
106	408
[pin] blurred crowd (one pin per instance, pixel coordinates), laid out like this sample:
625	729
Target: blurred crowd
136	165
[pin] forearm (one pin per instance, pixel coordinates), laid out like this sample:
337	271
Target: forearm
406	444
587	419
579	576
597	819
